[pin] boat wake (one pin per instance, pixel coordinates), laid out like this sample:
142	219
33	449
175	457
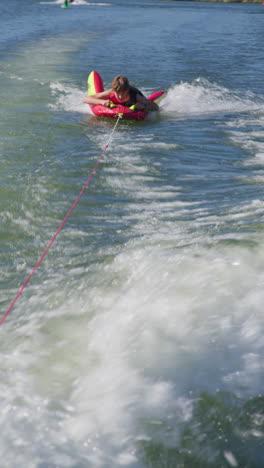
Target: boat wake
69	99
75	3
201	97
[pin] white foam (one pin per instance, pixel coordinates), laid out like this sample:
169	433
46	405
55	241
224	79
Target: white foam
69	99
202	97
76	3
160	333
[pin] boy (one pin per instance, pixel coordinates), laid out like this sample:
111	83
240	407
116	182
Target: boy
122	93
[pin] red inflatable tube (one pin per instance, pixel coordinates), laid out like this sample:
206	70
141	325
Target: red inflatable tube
95	85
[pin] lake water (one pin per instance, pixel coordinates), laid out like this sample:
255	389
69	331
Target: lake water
139	340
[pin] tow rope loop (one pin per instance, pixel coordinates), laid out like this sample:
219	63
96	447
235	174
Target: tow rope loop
61	225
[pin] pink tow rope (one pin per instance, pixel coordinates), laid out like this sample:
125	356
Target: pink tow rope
61	226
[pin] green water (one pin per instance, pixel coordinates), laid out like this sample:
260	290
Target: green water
138	341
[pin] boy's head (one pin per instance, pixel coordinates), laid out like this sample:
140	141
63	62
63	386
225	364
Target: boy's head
120	83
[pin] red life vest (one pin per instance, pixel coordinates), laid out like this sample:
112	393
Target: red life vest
132	100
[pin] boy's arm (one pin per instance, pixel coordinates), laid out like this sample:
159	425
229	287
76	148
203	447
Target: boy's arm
145	104
99	98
